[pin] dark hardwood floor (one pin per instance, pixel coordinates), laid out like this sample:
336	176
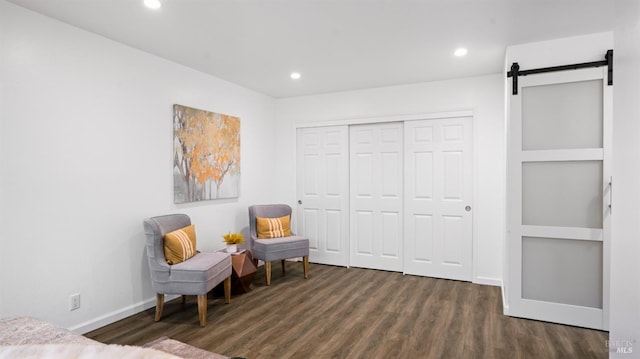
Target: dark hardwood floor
358	313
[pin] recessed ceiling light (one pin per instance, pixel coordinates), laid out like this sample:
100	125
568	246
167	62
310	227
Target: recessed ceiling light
461	51
153	4
295	75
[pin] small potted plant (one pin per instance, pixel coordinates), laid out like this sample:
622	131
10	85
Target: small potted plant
232	240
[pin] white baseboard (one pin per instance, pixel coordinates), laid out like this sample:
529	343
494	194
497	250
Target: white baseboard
116	315
505	305
497	282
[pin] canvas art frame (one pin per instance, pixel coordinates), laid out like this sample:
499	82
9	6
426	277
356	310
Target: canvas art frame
206	155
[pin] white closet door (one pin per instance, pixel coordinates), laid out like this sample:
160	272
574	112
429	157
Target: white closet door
438	198
376	172
323	192
559	193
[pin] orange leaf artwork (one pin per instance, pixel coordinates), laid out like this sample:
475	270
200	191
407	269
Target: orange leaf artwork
206	155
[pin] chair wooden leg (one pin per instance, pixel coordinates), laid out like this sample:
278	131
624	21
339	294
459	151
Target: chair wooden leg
227	290
202	309
305	266
282	266
159	306
267	272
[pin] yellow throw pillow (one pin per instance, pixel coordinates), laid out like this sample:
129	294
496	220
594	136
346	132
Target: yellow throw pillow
273	227
180	244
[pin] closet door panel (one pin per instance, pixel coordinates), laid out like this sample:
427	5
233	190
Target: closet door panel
438	198
323	192
376	178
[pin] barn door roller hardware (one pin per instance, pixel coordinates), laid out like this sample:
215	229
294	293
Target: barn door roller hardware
515	70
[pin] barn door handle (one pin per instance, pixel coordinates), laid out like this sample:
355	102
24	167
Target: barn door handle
610	193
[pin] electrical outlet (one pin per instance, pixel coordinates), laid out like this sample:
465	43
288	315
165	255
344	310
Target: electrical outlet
74	301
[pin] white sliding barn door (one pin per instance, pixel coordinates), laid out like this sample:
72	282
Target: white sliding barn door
376	172
438	198
323	192
559	193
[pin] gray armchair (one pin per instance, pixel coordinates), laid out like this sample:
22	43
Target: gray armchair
195	276
274	249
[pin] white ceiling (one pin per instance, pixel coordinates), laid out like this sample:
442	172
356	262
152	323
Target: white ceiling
336	45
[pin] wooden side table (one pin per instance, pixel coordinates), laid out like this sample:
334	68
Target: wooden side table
243	272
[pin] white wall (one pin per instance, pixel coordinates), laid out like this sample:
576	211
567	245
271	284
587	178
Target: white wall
483	95
86	154
625	247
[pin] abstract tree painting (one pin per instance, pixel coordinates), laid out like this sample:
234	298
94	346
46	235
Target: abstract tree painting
206	158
